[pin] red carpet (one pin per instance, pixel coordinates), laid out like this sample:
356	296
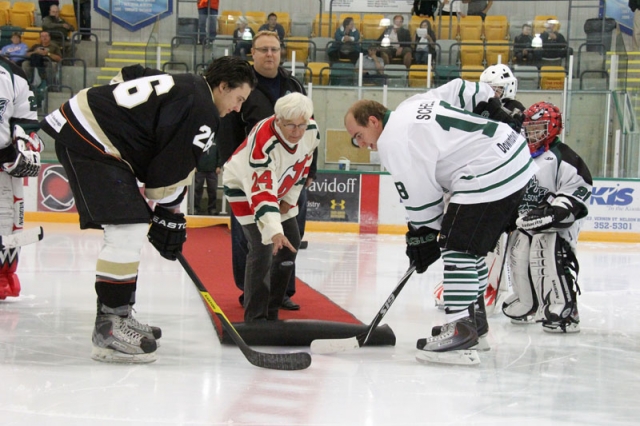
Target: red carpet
208	250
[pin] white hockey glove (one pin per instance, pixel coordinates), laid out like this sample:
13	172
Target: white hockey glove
554	212
27	160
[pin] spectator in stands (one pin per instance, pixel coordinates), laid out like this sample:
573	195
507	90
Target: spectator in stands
478	7
554	45
84	20
16	51
345	44
40	55
424	8
634	5
272	25
425	43
372	66
58	28
452	8
243	46
400	42
207	15
522	49
45	5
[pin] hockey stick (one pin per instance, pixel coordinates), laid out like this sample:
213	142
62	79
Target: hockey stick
328	346
19	239
288	361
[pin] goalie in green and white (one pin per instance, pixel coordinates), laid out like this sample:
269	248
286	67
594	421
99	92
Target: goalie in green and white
542	251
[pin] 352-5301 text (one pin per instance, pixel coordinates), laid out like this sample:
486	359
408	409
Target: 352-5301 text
614	226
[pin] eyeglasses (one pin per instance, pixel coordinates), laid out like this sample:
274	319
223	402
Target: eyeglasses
293	127
265	50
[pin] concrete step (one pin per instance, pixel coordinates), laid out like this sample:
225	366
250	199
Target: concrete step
135	53
124	62
138	45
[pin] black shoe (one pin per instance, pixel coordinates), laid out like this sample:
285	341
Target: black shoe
304	245
289	305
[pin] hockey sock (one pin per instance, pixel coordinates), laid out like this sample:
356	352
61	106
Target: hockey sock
460	282
483	275
114	294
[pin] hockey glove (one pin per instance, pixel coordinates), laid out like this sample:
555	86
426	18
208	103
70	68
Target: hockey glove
168	232
422	247
494	110
554	212
27	150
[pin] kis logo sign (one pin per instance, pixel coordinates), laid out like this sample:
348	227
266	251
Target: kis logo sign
612	196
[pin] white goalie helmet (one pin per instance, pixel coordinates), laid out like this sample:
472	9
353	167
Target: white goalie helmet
500	77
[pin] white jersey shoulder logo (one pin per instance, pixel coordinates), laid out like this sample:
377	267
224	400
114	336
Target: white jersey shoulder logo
3	108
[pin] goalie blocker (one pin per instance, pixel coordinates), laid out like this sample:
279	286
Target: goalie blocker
544	282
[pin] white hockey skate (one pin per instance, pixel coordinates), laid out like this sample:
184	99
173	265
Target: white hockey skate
571	324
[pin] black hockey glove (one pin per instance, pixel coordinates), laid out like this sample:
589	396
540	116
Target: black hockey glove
554	212
168	232
422	247
494	110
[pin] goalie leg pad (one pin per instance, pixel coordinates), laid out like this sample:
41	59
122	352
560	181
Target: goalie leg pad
522	304
554	270
11	220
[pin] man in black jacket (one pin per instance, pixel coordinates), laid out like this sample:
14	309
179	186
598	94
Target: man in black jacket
273	83
400	42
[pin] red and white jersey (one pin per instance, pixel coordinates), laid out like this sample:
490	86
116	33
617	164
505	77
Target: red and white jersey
265	170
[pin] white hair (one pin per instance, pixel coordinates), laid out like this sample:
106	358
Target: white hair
292	106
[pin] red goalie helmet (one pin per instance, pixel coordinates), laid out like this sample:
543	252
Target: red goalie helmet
542	123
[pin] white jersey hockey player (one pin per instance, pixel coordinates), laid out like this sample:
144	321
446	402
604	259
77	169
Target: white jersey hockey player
435	150
19	157
542	252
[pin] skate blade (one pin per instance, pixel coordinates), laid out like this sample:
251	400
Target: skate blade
571	328
527	321
482	346
109	355
459	357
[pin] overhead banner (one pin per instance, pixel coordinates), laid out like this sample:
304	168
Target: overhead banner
371	6
334	197
620	11
134	14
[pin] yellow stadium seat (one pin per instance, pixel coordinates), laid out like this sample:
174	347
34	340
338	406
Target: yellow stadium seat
22	19
552	77
320	73
228	21
496	27
418	75
493	49
447	29
316	30
68	14
470	28
472	53
31	36
539	23
371	28
4	12
256	19
300	45
471	72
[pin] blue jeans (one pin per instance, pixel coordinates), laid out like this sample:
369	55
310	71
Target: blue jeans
202	24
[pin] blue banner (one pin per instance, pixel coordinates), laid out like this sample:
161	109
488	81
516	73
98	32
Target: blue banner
134	14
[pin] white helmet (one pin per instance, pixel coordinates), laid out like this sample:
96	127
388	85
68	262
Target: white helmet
500	76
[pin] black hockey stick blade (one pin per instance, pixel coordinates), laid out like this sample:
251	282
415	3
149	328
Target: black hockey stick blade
329	346
286	361
22	238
